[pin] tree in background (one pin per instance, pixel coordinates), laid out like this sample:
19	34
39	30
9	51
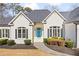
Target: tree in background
18	8
11	9
28	9
2	10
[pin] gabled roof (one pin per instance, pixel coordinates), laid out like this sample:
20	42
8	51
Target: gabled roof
37	15
40	15
34	16
51	14
11	22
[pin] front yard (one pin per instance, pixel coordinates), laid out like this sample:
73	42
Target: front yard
22	52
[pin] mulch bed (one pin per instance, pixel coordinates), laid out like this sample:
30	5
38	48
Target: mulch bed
66	50
18	46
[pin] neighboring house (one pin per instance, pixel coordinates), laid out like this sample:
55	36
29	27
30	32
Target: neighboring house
39	24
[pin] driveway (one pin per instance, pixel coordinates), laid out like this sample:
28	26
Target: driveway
22	52
41	46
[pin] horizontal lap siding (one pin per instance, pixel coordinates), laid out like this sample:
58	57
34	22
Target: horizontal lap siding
53	20
21	21
70	32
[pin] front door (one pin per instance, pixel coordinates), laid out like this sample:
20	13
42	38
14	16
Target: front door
38	37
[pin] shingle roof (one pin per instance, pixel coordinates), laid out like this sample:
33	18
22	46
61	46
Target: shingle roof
39	15
75	14
5	21
71	16
65	15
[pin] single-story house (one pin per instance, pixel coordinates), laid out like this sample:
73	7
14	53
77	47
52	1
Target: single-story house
39	24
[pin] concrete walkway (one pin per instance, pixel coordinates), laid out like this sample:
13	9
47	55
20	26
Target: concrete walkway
41	46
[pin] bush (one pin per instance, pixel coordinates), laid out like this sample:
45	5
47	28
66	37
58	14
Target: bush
61	38
69	43
56	42
3	41
61	43
45	40
27	42
11	42
54	37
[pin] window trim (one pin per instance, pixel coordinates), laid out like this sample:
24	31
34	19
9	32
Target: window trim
22	34
55	31
5	33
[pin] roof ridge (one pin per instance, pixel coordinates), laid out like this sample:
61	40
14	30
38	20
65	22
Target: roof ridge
41	10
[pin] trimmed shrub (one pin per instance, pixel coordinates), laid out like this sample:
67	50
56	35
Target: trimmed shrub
45	40
61	43
69	43
54	37
27	42
52	42
11	42
3	41
56	42
61	38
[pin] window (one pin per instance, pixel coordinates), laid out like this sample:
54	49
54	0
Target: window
4	33
7	33
21	32
50	32
54	31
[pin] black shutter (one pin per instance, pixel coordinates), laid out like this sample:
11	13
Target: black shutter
8	33
3	33
15	33
26	33
48	33
61	32
0	33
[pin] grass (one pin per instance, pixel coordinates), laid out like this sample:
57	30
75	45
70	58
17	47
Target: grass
22	52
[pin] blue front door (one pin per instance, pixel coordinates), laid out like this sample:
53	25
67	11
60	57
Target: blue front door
38	32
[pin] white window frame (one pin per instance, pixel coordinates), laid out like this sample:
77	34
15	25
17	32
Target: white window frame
5	34
55	34
25	34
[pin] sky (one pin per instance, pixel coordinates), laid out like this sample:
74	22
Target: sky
50	6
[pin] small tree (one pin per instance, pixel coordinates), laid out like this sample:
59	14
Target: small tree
27	9
18	8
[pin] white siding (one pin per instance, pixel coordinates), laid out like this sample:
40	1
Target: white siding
70	32
4	27
53	20
21	21
77	36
